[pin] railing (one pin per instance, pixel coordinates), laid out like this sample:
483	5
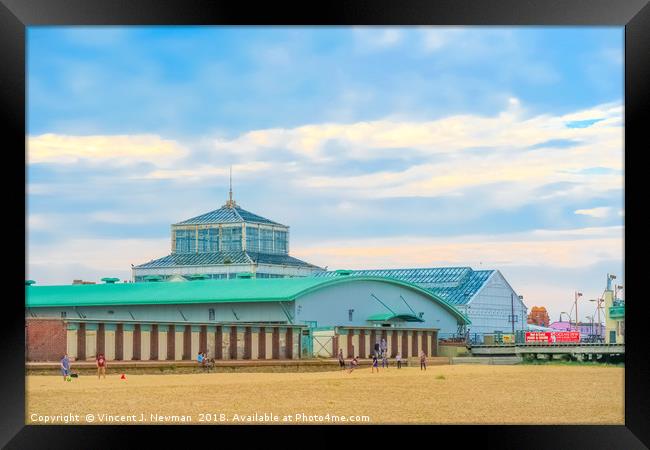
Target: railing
550	344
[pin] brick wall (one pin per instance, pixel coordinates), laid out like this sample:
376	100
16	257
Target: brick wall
153	348
289	340
119	342
46	339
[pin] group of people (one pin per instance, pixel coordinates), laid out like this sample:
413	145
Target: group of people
204	361
100	362
380	352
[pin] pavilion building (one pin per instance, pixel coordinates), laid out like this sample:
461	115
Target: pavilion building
223	243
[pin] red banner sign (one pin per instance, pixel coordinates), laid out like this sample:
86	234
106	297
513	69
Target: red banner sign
566	336
551	337
538	336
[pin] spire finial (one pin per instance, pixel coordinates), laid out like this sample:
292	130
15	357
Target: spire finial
230	203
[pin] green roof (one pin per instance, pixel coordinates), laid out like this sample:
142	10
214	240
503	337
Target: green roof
386	317
200	291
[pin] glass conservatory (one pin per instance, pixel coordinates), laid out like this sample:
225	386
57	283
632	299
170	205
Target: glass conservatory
222	243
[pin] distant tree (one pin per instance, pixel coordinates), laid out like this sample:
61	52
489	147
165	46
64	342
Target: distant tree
539	316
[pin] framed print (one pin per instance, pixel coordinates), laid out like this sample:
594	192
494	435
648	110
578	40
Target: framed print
357	214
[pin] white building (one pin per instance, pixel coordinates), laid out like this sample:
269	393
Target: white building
484	296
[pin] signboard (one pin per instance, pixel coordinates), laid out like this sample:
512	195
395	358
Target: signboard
551	337
538	336
566	336
616	312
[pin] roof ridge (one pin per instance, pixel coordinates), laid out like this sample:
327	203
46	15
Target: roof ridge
229	214
235	208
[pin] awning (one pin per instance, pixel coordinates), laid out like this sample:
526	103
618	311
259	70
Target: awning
390	316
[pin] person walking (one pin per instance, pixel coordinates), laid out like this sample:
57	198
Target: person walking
423	361
341	359
65	367
398	358
384	361
375	364
101	365
353	364
208	363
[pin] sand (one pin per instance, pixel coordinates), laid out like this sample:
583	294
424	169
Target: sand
471	394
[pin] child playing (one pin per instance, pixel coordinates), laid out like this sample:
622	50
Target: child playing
101	366
353	364
375	364
65	367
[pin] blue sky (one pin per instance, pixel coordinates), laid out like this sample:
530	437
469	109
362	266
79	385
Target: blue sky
379	146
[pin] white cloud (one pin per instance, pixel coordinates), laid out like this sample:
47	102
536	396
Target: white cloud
613	55
435	38
472	43
97	36
102	257
449	155
123	149
554	248
377	38
444	167
37	222
599	213
198	173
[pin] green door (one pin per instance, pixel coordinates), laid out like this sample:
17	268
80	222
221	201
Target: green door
306	343
612	337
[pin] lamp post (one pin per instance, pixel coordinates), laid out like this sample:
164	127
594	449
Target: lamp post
599	302
576	295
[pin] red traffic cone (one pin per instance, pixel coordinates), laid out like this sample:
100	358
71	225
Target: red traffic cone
123	377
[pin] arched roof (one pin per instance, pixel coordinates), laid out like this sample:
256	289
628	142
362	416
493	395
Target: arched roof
203	291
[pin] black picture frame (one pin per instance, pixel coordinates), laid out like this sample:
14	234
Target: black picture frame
15	15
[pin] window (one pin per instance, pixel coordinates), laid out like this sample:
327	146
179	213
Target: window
63	314
192	240
214	240
266	241
231	239
211	314
182	241
350	311
280	241
186	241
204	240
252	239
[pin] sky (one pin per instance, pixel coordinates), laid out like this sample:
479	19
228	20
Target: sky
381	147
